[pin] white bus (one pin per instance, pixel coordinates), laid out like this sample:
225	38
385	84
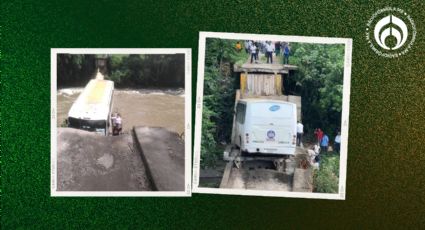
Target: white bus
92	109
266	126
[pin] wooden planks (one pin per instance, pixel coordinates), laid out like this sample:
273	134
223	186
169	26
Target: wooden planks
261	84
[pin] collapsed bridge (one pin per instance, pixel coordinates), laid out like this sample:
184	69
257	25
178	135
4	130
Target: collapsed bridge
148	159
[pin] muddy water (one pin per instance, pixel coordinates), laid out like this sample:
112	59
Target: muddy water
155	108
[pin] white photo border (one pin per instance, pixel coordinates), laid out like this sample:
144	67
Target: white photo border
188	114
348	42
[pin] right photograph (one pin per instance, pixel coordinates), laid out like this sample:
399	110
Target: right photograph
272	115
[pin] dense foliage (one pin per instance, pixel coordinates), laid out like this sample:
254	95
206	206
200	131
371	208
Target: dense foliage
326	177
219	96
74	69
319	82
147	70
134	70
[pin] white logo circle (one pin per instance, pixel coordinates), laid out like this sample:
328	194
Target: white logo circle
388	23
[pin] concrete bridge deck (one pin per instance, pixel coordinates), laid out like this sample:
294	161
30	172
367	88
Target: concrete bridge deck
151	160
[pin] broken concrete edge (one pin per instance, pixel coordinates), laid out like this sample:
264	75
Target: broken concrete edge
226	175
145	161
163	152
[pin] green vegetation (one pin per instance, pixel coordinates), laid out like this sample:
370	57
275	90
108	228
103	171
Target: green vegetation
325	179
134	70
147	70
74	69
319	82
219	96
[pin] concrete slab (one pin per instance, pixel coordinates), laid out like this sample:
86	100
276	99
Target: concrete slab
252	177
303	177
89	162
303	180
163	153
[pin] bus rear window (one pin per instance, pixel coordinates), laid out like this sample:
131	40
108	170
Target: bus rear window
90	125
272	110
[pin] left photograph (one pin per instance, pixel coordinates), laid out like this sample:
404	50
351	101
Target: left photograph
120	122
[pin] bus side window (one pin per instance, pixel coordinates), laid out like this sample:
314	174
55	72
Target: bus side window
243	112
240	113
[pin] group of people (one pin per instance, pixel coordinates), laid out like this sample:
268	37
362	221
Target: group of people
323	140
321	137
322	144
266	47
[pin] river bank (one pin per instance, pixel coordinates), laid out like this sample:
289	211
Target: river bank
138	107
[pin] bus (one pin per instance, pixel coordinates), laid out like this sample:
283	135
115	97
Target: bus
92	109
266	126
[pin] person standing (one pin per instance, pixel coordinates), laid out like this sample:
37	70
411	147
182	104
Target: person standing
324	143
337	143
269	52
257	50
286	53
300	132
238	47
253	50
319	135
118	125
246	46
113	122
277	48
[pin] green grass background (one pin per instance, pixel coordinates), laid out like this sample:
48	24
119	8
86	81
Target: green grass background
386	172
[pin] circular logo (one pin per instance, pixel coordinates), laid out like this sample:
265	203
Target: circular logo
274	108
390	32
271	134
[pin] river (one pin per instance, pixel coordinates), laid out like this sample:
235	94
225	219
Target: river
141	107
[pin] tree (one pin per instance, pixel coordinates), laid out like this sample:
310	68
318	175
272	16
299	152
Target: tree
133	71
219	96
319	82
74	69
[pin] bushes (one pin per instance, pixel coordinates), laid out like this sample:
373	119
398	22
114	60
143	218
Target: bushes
219	97
74	69
147	70
319	82
326	179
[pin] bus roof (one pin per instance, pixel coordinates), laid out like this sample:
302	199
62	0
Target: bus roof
264	100
94	102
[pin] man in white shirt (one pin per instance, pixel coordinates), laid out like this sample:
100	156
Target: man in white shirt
253	50
300	132
269	52
337	143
